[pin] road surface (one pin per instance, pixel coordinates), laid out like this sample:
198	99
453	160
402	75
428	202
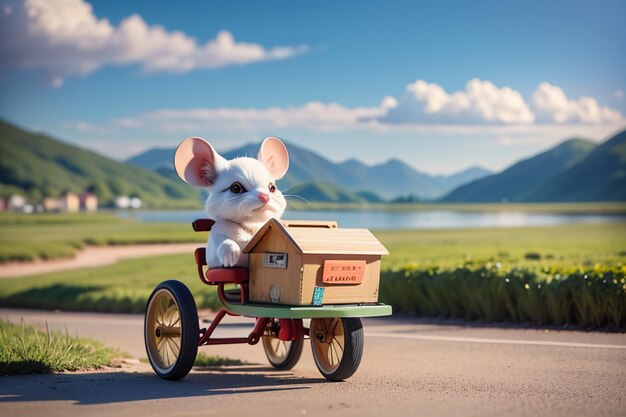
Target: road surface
409	368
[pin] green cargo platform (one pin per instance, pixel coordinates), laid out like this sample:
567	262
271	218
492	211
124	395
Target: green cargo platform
309	312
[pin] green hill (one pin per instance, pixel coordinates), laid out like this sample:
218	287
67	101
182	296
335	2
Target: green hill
37	166
601	176
329	193
517	181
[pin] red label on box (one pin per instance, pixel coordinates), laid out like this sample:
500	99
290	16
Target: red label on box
343	272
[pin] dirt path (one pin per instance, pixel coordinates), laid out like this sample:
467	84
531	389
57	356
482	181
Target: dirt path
94	256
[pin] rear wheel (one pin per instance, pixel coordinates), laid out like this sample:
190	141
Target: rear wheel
171	330
282	354
337	345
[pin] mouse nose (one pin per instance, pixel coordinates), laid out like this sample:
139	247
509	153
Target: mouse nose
263	197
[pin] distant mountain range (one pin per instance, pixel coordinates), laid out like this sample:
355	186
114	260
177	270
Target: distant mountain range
575	170
38	166
381	182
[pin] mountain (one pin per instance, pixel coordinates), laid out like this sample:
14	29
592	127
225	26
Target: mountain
387	180
324	192
463	177
38	166
601	176
519	179
154	159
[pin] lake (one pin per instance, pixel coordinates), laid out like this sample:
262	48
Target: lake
430	219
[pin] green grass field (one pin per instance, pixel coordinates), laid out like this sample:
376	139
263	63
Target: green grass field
125	286
48	236
563	246
468	265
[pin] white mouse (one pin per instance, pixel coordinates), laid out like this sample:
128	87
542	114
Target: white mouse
242	194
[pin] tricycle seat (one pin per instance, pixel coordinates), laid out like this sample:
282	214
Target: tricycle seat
216	276
227	275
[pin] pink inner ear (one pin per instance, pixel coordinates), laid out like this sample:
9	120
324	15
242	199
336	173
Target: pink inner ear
274	156
194	162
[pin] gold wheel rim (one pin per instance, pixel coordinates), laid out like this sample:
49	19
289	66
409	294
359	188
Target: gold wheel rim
276	349
163	331
327	342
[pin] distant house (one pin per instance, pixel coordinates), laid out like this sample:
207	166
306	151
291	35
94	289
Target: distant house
122	202
16	202
51	204
70	202
136	203
88	202
125	202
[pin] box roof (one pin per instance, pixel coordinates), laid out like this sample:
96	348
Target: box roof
323	240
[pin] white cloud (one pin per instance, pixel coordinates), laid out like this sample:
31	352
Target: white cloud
312	115
480	103
553	106
65	38
481	109
618	94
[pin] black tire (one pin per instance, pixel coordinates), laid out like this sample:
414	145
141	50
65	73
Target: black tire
171	349
281	354
337	345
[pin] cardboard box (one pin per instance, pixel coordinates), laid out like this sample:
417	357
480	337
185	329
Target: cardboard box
313	263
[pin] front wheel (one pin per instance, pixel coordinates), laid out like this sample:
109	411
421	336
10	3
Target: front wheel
337	345
171	330
281	354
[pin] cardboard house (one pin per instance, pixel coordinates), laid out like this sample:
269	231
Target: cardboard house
313	263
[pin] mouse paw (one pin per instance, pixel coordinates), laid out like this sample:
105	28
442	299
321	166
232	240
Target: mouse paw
228	253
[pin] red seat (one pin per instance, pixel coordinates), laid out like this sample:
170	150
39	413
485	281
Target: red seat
227	275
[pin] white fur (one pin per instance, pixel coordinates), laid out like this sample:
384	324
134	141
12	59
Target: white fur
239	216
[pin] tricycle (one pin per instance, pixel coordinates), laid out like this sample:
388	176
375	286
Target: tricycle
172	332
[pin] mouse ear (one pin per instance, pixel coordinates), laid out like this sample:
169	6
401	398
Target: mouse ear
197	163
273	154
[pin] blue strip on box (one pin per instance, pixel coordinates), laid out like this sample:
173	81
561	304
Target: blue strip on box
318	296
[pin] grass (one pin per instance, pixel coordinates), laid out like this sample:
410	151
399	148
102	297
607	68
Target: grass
27	350
583	298
125	286
49	236
447	273
563	246
52	235
214	360
121	287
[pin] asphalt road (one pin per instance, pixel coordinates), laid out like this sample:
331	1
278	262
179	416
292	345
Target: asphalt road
409	368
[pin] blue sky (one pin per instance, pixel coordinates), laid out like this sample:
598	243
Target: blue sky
440	85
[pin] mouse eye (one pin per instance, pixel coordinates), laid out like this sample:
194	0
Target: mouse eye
272	187
237	188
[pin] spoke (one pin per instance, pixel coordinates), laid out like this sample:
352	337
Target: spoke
173	355
323	348
338	343
333	325
177	321
333	354
176	344
165	355
159	342
162	309
171	309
